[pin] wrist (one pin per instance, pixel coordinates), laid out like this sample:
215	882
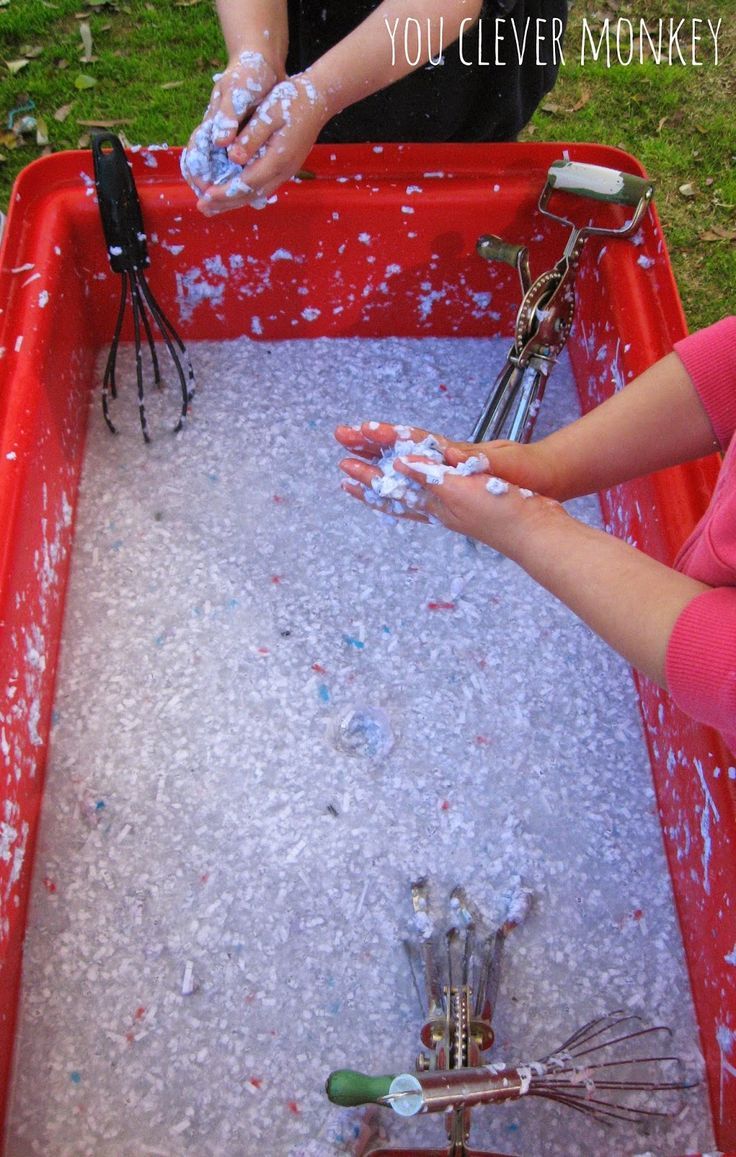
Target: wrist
329	82
549	470
259	57
537	531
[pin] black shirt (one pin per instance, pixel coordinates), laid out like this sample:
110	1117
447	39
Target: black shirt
467	97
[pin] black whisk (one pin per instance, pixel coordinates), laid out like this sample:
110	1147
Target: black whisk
122	223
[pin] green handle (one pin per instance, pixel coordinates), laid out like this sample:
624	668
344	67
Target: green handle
493	248
348	1088
598	182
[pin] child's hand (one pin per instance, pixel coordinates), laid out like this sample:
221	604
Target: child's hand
237	92
480	505
272	146
529	466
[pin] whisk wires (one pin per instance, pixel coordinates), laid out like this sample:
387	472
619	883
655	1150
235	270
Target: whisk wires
122	224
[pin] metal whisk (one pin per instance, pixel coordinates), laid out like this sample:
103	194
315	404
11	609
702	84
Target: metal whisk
122	223
547	309
614	1068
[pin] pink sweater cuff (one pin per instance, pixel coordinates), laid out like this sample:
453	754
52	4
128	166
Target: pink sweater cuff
709	356
701	659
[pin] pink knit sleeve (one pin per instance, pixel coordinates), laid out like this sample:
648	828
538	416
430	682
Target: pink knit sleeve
709	357
701	659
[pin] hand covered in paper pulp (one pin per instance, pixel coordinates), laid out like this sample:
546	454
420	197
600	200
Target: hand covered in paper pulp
271	147
237	92
496	504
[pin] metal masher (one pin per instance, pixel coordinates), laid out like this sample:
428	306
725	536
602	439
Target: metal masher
614	1068
122	224
545	316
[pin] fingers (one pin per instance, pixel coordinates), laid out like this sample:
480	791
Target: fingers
256	171
386	506
457	452
203	163
223	199
422	470
237	91
224	129
361	472
195	159
371	439
256	134
389	495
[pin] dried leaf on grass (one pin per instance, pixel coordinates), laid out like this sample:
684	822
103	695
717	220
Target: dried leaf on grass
100	124
63	112
717	233
83	81
8	139
87	56
42	132
553	109
688	191
581	103
15	66
172	84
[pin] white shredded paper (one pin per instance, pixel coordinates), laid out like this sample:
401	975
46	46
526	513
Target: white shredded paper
275	711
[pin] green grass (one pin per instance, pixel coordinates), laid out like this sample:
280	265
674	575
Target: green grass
141	46
678	121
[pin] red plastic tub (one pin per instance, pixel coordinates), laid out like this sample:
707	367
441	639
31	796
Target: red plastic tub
58	303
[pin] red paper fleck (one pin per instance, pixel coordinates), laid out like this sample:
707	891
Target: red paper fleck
204	877
637	914
440	606
293	1107
445	805
140	1012
276	579
319	668
49	884
256	1082
482	741
443	388
263	651
278	498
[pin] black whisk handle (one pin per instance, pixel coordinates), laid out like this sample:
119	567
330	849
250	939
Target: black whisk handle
120	209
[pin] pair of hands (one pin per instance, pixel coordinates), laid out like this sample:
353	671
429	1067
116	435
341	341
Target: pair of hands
255	134
461	503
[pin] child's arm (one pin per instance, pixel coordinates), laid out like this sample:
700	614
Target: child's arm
656	421
373	56
368	59
629	599
256	36
260	26
632	601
